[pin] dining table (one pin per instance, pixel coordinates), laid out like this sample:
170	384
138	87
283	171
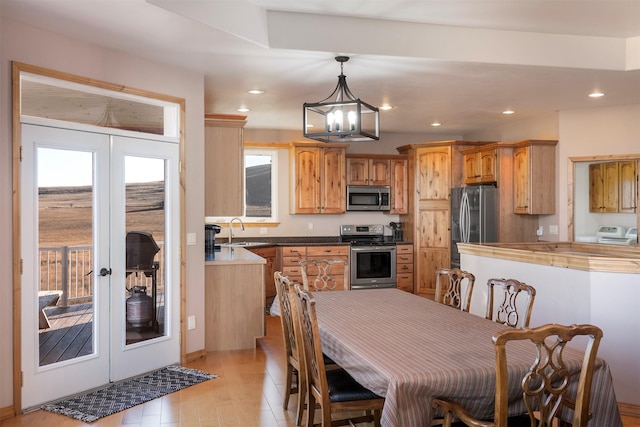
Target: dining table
409	350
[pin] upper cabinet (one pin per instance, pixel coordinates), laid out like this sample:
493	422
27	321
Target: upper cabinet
480	166
628	187
612	187
368	171
318	178
534	177
224	165
399	186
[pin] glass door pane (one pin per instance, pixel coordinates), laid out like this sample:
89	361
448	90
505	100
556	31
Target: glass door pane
145	266
65	240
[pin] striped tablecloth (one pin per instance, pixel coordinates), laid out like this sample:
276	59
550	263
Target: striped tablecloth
410	349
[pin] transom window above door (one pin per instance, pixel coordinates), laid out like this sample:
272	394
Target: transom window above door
49	98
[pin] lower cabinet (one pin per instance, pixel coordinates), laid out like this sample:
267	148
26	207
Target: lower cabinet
332	252
404	266
269	254
290	257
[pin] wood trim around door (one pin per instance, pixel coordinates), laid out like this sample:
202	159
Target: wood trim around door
17	69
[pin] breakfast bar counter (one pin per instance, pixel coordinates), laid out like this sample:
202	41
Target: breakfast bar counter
574	255
575	283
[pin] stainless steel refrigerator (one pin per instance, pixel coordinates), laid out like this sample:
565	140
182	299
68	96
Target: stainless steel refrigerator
474	217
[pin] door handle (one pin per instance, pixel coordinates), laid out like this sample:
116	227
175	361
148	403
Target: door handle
105	272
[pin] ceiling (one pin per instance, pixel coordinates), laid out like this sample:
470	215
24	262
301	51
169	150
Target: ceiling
457	62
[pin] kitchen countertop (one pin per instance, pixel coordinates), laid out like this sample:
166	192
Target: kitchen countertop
577	256
234	256
293	241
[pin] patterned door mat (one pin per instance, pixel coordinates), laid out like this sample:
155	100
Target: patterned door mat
125	394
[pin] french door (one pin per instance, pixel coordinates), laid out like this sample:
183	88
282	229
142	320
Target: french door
99	238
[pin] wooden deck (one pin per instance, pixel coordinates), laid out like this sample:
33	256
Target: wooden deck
70	334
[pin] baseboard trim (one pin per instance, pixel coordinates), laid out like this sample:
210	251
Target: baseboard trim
629	409
6	413
196	355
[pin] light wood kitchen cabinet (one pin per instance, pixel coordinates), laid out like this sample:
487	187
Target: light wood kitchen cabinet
332	252
289	261
318	179
368	171
603	187
399	189
224	165
269	254
404	266
290	257
480	166
628	174
613	187
534	177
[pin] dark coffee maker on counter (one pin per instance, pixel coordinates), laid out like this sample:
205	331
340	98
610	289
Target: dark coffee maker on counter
396	228
210	231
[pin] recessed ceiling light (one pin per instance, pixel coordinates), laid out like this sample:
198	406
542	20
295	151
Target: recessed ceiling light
243	110
596	94
256	92
436	124
386	107
507	112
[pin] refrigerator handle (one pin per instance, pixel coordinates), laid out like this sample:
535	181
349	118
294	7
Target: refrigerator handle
481	237
464	218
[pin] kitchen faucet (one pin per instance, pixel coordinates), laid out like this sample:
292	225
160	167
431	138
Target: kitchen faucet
231	227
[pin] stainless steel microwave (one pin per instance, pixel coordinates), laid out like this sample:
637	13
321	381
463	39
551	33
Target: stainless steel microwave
368	198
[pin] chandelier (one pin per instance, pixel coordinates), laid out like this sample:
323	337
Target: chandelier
341	117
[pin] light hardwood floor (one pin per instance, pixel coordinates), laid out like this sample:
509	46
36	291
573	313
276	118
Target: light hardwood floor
248	393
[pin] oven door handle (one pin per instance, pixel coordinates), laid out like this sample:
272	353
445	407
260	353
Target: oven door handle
373	248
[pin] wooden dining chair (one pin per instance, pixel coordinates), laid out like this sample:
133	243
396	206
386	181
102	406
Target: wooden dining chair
322	274
335	391
454	287
283	291
545	387
510	311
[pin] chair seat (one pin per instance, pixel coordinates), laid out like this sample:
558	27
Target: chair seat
343	388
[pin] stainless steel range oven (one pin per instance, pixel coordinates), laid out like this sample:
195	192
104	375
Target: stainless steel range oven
373	258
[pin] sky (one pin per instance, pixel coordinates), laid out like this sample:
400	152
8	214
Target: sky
71	168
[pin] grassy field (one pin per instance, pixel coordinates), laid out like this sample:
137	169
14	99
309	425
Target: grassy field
65	213
65	219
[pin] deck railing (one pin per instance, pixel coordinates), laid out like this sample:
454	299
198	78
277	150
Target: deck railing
70	269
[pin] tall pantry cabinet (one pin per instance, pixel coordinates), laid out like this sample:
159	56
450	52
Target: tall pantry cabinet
434	168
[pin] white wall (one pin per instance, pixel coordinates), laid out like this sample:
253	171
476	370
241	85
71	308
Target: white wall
22	43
